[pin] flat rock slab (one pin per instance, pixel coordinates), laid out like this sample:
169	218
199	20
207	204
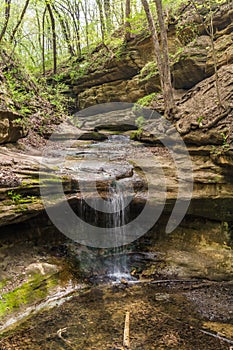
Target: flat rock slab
98	170
109	117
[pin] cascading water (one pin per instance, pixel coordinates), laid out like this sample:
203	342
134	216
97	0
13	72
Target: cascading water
117	204
112	214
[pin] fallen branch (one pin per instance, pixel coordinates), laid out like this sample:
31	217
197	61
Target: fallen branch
59	333
126	340
172	281
217	336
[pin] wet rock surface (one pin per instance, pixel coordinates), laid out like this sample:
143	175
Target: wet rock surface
160	316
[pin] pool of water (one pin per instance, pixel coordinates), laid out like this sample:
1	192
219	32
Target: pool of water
162	316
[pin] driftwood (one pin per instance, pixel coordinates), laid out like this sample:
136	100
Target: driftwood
126	339
217	336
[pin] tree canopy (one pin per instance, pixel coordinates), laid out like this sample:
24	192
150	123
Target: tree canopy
40	29
36	28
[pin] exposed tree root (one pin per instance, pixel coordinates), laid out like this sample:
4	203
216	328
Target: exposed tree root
216	119
183	127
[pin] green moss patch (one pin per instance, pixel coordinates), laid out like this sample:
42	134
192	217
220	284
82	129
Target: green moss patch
35	289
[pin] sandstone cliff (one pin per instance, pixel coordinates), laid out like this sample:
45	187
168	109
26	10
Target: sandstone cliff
128	73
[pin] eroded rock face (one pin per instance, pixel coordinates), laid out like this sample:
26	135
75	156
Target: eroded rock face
223	46
198	248
201	122
10	128
101	165
115	91
190	66
114	70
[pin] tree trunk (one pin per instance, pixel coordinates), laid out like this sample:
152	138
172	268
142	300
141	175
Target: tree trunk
65	31
155	39
84	9
162	55
127	22
72	10
20	20
39	30
102	22
167	84
43	41
77	28
107	13
122	12
7	16
54	39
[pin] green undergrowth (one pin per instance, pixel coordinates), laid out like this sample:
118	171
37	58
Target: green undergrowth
148	71
136	135
40	105
17	198
146	100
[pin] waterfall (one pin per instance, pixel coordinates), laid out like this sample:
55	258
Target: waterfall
117	203
110	212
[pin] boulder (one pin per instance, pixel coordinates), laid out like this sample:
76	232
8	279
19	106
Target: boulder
93	135
11	129
109	119
189	67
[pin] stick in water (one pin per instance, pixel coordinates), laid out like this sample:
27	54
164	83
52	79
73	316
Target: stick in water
126	342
